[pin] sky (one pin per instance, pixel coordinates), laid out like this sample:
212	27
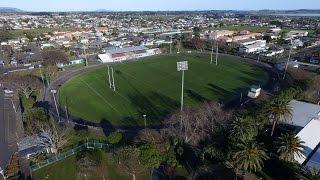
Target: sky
154	5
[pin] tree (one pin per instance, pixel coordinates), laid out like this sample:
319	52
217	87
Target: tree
34	116
196	31
128	159
149	136
249	156
150	156
25	85
177	45
89	160
243	129
56	135
49	72
114	138
194	125
313	90
52	57
289	146
279	111
5	35
197	43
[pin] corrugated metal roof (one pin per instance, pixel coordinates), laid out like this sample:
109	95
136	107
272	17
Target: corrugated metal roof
125	49
310	134
303	113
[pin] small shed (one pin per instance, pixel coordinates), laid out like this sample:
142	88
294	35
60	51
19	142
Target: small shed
254	92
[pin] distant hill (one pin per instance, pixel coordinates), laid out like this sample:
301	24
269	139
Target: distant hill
9	10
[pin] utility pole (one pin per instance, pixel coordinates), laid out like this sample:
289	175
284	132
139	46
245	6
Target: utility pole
55	103
114	86
109	77
286	68
182	66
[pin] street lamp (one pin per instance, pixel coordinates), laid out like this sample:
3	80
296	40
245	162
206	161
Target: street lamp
145	120
55	103
182	66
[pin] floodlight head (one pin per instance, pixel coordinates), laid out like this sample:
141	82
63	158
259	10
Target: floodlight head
182	65
53	91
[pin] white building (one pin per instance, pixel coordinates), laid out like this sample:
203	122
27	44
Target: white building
123	54
254	92
253	46
306	118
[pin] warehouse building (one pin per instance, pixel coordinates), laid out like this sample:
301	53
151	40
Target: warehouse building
127	53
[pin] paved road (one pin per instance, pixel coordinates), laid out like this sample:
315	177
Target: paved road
8	130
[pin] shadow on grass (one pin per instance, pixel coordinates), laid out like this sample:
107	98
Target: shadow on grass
195	96
156	106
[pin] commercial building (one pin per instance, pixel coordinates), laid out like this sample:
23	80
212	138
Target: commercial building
127	53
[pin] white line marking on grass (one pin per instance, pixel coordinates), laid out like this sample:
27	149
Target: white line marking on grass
117	92
97	93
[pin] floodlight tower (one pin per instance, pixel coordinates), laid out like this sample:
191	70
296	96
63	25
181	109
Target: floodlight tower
182	66
286	68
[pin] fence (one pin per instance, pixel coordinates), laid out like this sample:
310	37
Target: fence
71	152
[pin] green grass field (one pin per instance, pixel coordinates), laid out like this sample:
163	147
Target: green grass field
152	86
68	169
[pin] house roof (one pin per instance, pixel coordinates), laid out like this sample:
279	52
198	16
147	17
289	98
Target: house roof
310	135
126	49
303	113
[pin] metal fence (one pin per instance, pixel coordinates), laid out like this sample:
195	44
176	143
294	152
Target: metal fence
71	152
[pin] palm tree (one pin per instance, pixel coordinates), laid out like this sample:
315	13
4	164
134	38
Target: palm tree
289	146
243	129
279	110
249	156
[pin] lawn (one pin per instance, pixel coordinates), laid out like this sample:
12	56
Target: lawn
68	169
152	86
